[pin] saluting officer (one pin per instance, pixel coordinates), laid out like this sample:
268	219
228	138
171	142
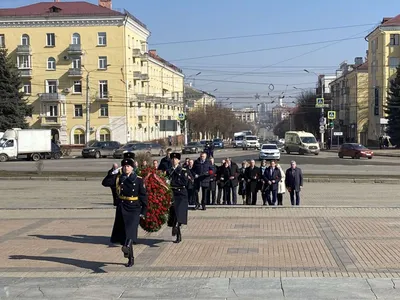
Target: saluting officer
132	205
178	213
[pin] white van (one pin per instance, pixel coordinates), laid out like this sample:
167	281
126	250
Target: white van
301	142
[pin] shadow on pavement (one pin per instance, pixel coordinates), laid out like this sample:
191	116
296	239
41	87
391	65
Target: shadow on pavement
95	266
95	240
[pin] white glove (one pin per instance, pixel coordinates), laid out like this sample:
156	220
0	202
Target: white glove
116	171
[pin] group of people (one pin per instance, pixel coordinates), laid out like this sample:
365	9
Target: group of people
186	182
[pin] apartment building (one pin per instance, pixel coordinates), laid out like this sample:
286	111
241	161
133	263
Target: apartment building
383	59
71	54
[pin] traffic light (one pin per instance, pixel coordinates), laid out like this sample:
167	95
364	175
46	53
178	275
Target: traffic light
182	125
331	124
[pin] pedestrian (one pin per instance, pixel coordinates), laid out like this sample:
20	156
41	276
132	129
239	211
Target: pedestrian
281	185
178	214
186	163
242	181
226	174
213	182
192	196
165	163
220	184
203	171
155	164
251	177
132	206
272	176
262	186
234	170
294	182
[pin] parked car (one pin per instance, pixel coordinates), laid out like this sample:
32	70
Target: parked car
100	149
355	150
218	143
155	149
269	152
192	147
131	147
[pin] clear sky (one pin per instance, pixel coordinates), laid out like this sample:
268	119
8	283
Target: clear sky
242	75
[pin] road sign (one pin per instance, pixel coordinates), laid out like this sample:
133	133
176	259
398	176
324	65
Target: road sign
322	131
322	127
319	102
337	133
321	121
181	116
331	115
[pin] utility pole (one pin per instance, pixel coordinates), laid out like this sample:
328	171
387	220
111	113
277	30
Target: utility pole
322	113
87	111
185	112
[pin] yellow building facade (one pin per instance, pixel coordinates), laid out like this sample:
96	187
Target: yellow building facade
73	53
383	59
349	93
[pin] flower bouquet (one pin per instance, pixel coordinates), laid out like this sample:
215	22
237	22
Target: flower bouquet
159	199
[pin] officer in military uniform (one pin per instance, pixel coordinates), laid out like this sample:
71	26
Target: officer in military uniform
178	213
132	206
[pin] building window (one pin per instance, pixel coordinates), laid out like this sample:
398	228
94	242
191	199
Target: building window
76	39
77	88
78	110
51	86
103	89
52	111
105	135
24	61
2	41
101	39
76	63
103	110
50	40
25	40
394	39
79	137
103	62
143	46
51	63
27	88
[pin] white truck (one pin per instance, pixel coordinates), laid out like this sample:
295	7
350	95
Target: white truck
301	142
32	144
250	141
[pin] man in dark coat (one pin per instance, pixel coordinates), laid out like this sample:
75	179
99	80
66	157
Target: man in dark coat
251	176
234	170
272	176
294	182
178	214
132	206
213	182
165	163
203	171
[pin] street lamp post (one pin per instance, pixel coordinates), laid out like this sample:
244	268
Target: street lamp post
87	133
322	109
185	108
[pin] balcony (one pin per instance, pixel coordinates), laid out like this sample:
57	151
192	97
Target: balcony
50	121
75	49
144	77
24	49
137	75
25	73
75	72
52	97
136	53
144	57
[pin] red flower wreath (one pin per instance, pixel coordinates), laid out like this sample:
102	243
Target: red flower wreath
159	199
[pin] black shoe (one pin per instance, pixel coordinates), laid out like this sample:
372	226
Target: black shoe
178	236
203	208
196	207
131	259
174	230
126	248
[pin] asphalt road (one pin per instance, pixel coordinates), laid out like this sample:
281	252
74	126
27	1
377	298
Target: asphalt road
325	163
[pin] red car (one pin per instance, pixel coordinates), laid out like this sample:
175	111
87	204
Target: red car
355	151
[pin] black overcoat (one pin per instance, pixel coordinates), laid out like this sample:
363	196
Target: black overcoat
179	209
127	215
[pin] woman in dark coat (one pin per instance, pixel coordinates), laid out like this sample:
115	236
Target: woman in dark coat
131	207
178	179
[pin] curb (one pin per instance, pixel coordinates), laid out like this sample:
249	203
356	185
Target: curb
311	180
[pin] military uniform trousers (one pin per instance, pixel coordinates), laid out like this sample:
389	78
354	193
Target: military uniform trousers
178	212
127	218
